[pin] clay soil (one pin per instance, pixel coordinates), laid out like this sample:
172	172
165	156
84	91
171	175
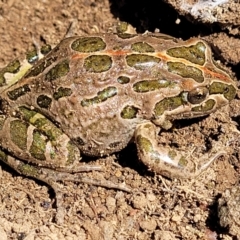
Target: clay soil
157	208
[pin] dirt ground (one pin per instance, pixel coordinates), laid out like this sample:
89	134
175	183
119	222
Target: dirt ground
157	208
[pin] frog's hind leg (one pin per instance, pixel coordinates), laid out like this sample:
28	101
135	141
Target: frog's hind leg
38	148
32	137
166	161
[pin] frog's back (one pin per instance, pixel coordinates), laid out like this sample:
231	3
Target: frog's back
98	88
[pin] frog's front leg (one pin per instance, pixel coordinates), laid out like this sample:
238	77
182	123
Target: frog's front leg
166	161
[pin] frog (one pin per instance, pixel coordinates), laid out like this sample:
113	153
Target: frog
92	95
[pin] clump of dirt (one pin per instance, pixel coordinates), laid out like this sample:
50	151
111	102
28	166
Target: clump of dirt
223	12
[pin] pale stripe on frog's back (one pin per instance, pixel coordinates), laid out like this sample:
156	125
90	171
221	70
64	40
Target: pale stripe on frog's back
16	69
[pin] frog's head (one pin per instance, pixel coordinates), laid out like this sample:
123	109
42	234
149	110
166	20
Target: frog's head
203	85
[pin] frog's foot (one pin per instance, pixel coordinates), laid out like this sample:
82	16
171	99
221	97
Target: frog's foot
51	177
166	161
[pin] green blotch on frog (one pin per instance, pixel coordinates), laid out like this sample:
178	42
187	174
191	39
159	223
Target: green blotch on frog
59	70
88	44
62	92
142	47
151	85
194	53
19	92
98	63
129	112
44	101
102	96
141	61
38	146
228	91
186	71
18	133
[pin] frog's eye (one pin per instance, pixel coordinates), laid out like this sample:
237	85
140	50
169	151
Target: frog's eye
197	95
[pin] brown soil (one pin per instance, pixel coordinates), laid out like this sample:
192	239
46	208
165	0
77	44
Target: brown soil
158	208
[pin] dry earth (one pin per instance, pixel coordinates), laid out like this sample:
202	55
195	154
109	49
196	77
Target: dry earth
158	208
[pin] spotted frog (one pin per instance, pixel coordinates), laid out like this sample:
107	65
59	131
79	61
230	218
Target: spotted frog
92	95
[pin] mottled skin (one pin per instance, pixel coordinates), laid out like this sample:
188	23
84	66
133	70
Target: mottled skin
97	93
